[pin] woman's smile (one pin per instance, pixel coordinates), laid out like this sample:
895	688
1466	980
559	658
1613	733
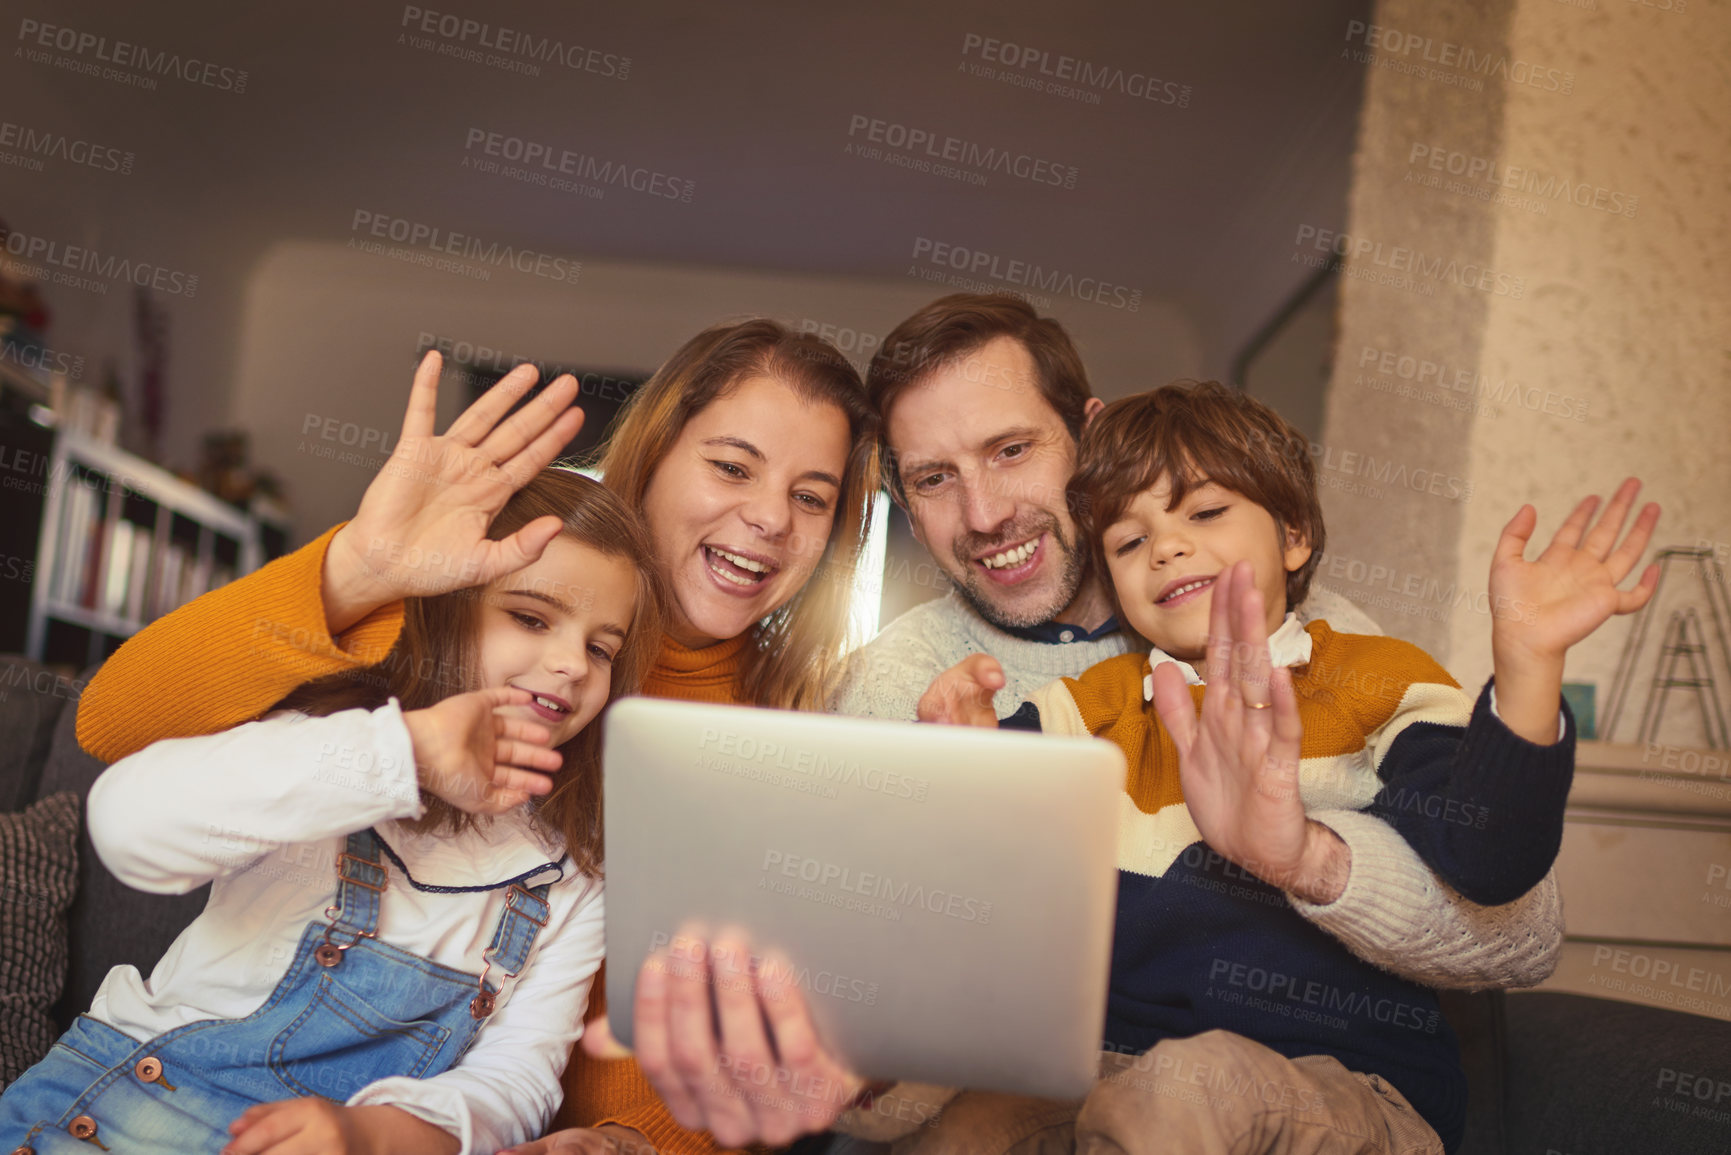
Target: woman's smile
742	506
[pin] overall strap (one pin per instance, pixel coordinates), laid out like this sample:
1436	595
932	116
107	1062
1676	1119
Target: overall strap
526	912
361	879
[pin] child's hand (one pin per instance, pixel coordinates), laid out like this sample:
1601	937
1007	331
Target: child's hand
1541	608
315	1126
1238	762
477	760
962	694
422	525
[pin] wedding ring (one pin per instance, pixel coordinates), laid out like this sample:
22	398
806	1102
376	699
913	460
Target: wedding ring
1259	705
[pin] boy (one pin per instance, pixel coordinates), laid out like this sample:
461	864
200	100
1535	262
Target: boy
1233	1023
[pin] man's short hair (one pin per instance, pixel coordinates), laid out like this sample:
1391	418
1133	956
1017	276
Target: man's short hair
1196	432
953	327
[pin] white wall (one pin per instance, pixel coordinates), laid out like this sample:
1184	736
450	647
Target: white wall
329	333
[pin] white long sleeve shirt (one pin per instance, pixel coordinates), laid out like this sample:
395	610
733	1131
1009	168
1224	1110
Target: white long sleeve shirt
261	812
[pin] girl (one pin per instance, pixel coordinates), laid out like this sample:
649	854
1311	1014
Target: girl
752	455
390	928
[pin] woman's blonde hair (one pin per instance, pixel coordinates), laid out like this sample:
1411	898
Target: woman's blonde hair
438	654
794	654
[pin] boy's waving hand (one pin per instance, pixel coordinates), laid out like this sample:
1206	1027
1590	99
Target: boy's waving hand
1540	608
1238	757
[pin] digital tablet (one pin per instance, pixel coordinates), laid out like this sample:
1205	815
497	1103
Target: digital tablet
945	894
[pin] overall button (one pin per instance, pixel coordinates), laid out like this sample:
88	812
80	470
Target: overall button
83	1127
149	1070
328	955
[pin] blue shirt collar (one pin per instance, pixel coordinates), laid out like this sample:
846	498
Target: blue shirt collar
1058	633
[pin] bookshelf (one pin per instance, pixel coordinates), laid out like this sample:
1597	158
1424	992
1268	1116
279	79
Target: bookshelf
122	542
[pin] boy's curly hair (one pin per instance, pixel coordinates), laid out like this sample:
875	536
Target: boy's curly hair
1196	432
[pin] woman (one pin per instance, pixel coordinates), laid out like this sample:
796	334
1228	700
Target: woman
752	454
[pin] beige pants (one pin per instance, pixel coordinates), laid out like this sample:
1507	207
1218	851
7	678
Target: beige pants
1213	1094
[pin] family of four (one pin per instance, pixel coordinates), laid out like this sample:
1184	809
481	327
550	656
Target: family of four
380	752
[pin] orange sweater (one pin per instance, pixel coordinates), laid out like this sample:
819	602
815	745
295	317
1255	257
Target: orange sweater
232	654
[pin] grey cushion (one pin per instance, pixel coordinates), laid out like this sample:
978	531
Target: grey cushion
38	869
1590	1076
1478	1022
32	698
110	923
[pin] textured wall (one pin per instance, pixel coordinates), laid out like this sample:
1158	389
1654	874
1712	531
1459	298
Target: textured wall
1627	310
1393	469
1590	179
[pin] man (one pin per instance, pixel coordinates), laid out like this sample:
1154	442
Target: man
982	402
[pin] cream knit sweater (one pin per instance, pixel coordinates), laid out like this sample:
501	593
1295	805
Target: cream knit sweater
1394	912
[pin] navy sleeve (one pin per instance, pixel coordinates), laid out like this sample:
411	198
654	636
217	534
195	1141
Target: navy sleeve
1026	717
1482	806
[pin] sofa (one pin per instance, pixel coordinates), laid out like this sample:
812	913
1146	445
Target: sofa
1548	1073
108	923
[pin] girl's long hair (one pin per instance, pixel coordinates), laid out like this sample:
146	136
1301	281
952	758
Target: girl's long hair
794	654
437	654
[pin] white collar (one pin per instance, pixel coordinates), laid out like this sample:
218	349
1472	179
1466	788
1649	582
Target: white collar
1287	646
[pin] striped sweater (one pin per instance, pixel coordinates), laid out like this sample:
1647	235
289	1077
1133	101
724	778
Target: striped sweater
1202	944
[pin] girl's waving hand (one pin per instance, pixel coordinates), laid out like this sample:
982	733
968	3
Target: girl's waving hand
477	760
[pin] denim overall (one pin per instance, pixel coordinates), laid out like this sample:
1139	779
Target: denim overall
351	1010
